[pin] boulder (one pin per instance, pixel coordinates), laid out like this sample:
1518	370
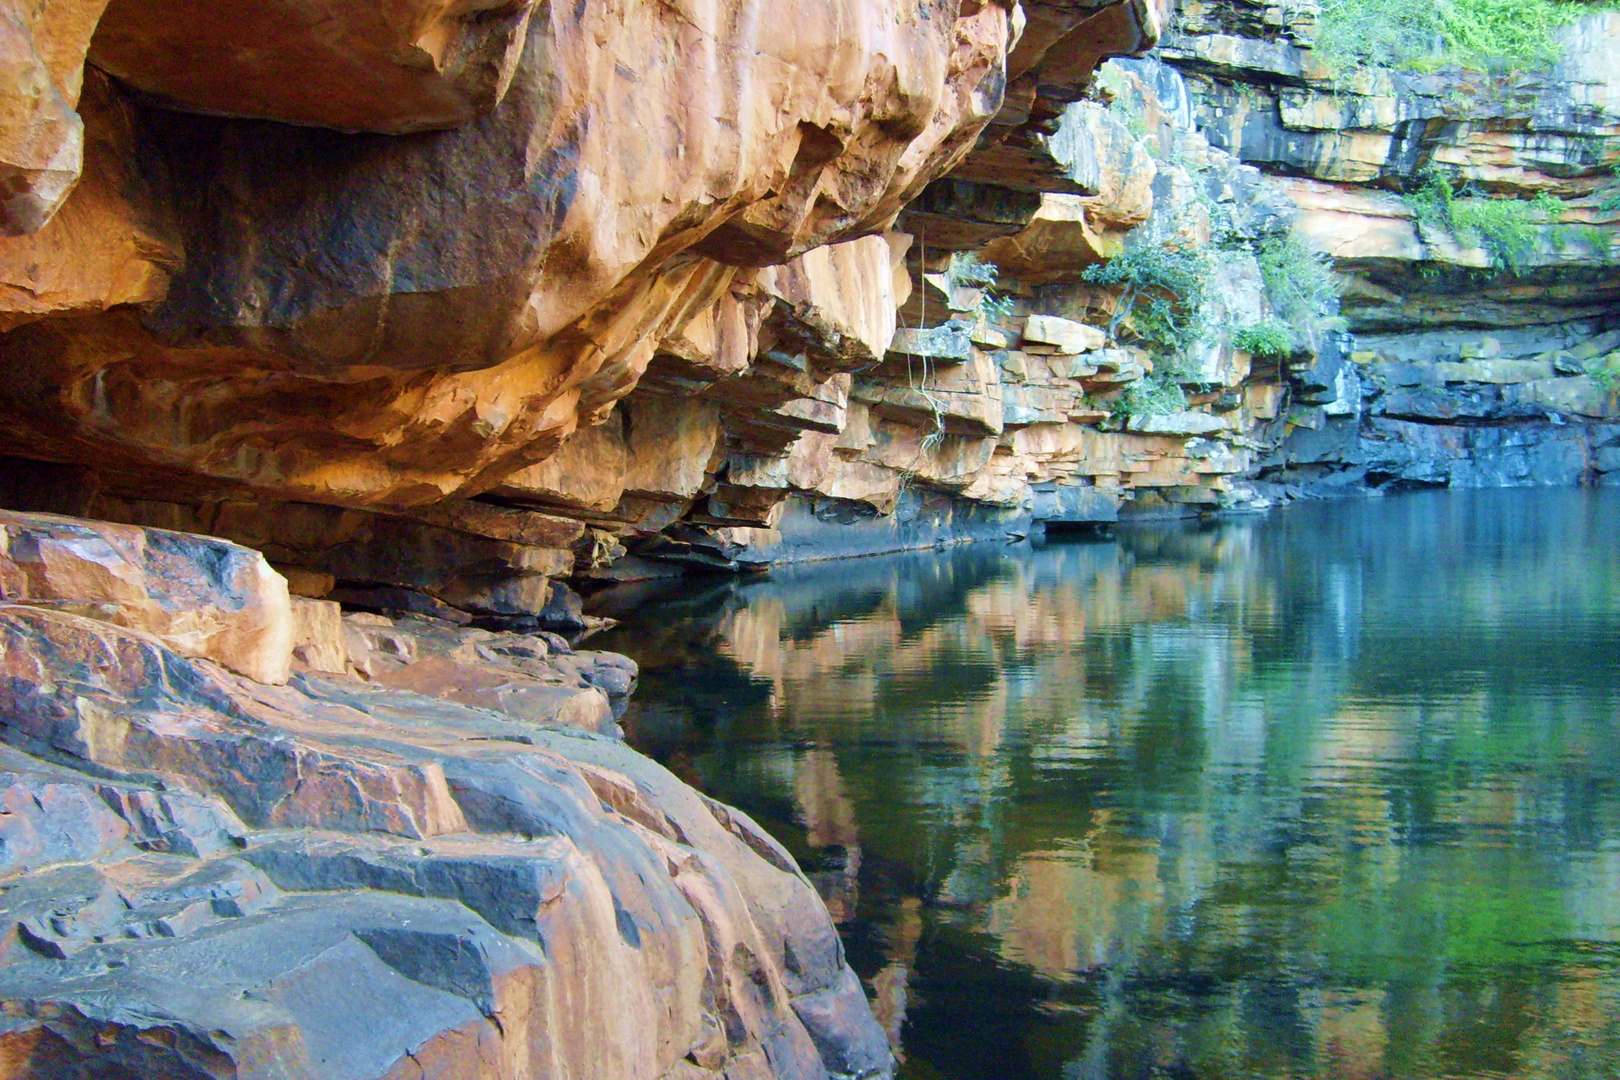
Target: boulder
317	635
201	597
1064	335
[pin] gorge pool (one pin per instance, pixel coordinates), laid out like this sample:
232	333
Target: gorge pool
1329	793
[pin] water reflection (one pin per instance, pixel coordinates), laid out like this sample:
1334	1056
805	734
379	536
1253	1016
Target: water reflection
1329	794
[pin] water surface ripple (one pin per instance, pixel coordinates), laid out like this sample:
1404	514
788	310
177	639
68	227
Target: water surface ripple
1333	793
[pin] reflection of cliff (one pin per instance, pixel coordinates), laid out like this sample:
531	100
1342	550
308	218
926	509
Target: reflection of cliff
1252	793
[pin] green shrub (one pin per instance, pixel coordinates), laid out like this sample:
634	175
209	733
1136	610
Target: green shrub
1611	198
1509	230
967	271
1430	201
1155	395
1378	33
1505	228
1486	35
1165	285
1595	238
995	307
1269	340
1506	34
1299	280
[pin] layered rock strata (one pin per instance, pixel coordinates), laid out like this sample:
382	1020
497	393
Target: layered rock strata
424	854
1482	356
557	368
635	290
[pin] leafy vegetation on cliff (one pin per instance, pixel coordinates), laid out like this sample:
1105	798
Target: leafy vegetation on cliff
1155	395
1487	35
1269	340
967	270
1299	281
1508	229
1165	292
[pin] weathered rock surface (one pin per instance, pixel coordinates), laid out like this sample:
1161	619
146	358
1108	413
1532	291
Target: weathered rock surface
468	888
109	245
354	67
396	345
444	308
316	323
42	48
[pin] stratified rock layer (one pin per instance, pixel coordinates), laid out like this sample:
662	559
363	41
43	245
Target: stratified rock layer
363	319
1476	359
431	866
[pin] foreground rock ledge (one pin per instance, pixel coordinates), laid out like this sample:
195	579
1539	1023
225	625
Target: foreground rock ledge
340	879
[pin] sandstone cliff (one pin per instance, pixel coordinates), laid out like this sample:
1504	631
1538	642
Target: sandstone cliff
346	347
1473	220
371	330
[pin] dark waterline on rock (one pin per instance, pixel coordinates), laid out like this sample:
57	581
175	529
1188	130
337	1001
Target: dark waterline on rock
1333	793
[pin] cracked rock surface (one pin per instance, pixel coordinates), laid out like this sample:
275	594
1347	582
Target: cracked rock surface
437	863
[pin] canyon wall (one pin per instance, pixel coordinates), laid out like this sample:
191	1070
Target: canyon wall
346	348
1482	347
338	343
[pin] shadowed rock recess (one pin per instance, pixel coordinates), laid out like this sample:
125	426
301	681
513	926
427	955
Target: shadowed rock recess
346	346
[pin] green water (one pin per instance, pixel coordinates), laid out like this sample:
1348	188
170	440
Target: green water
1333	793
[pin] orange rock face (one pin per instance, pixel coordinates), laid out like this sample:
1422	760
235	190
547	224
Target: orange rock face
372	320
108	246
42	46
394	68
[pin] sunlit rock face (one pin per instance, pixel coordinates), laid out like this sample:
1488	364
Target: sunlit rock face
42	47
263	291
364	319
393	68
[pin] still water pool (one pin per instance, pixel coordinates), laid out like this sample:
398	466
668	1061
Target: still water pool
1333	793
